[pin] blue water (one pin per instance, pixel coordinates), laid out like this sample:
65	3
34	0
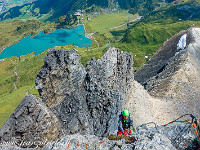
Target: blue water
42	42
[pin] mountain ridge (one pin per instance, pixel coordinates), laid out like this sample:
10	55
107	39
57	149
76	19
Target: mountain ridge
175	79
48	10
88	100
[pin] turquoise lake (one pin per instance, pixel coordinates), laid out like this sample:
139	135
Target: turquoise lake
42	42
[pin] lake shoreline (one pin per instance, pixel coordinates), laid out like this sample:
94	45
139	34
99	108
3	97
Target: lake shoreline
80	40
19	39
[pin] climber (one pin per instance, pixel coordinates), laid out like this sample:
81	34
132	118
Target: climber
125	123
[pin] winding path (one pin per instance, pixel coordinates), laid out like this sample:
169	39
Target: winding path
89	35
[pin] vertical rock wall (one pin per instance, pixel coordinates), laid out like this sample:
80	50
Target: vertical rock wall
30	123
86	100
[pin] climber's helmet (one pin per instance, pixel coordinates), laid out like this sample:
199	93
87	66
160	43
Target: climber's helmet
125	114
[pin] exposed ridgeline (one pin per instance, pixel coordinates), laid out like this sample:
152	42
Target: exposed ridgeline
173	73
86	100
83	100
31	121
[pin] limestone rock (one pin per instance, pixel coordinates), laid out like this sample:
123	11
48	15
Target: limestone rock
81	142
86	100
174	136
30	123
159	138
174	75
61	74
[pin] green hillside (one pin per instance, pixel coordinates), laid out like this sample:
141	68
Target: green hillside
6	5
141	38
50	10
44	10
145	37
17	77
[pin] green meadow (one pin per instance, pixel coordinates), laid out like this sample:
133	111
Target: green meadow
141	38
8	103
106	21
145	39
16	78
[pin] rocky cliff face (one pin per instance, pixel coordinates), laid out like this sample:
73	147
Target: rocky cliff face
173	74
32	122
86	100
83	103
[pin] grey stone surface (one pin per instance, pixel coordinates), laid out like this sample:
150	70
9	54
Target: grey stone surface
31	123
174	136
174	75
60	76
160	138
87	142
86	100
80	105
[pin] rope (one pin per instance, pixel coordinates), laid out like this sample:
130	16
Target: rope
193	122
147	124
179	118
195	127
177	121
181	132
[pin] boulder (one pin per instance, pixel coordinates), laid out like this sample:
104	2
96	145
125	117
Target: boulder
31	123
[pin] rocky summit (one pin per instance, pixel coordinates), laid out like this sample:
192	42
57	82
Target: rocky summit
85	100
80	106
173	73
31	121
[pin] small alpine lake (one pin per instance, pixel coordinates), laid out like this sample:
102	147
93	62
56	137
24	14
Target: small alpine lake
42	42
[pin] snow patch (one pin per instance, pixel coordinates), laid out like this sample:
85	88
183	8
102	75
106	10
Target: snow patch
182	42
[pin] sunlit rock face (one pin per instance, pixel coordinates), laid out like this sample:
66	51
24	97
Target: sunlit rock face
173	73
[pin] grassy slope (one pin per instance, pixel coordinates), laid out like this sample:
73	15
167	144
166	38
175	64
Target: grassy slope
105	21
12	32
22	73
10	102
27	69
144	39
44	10
7	76
14	3
141	39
